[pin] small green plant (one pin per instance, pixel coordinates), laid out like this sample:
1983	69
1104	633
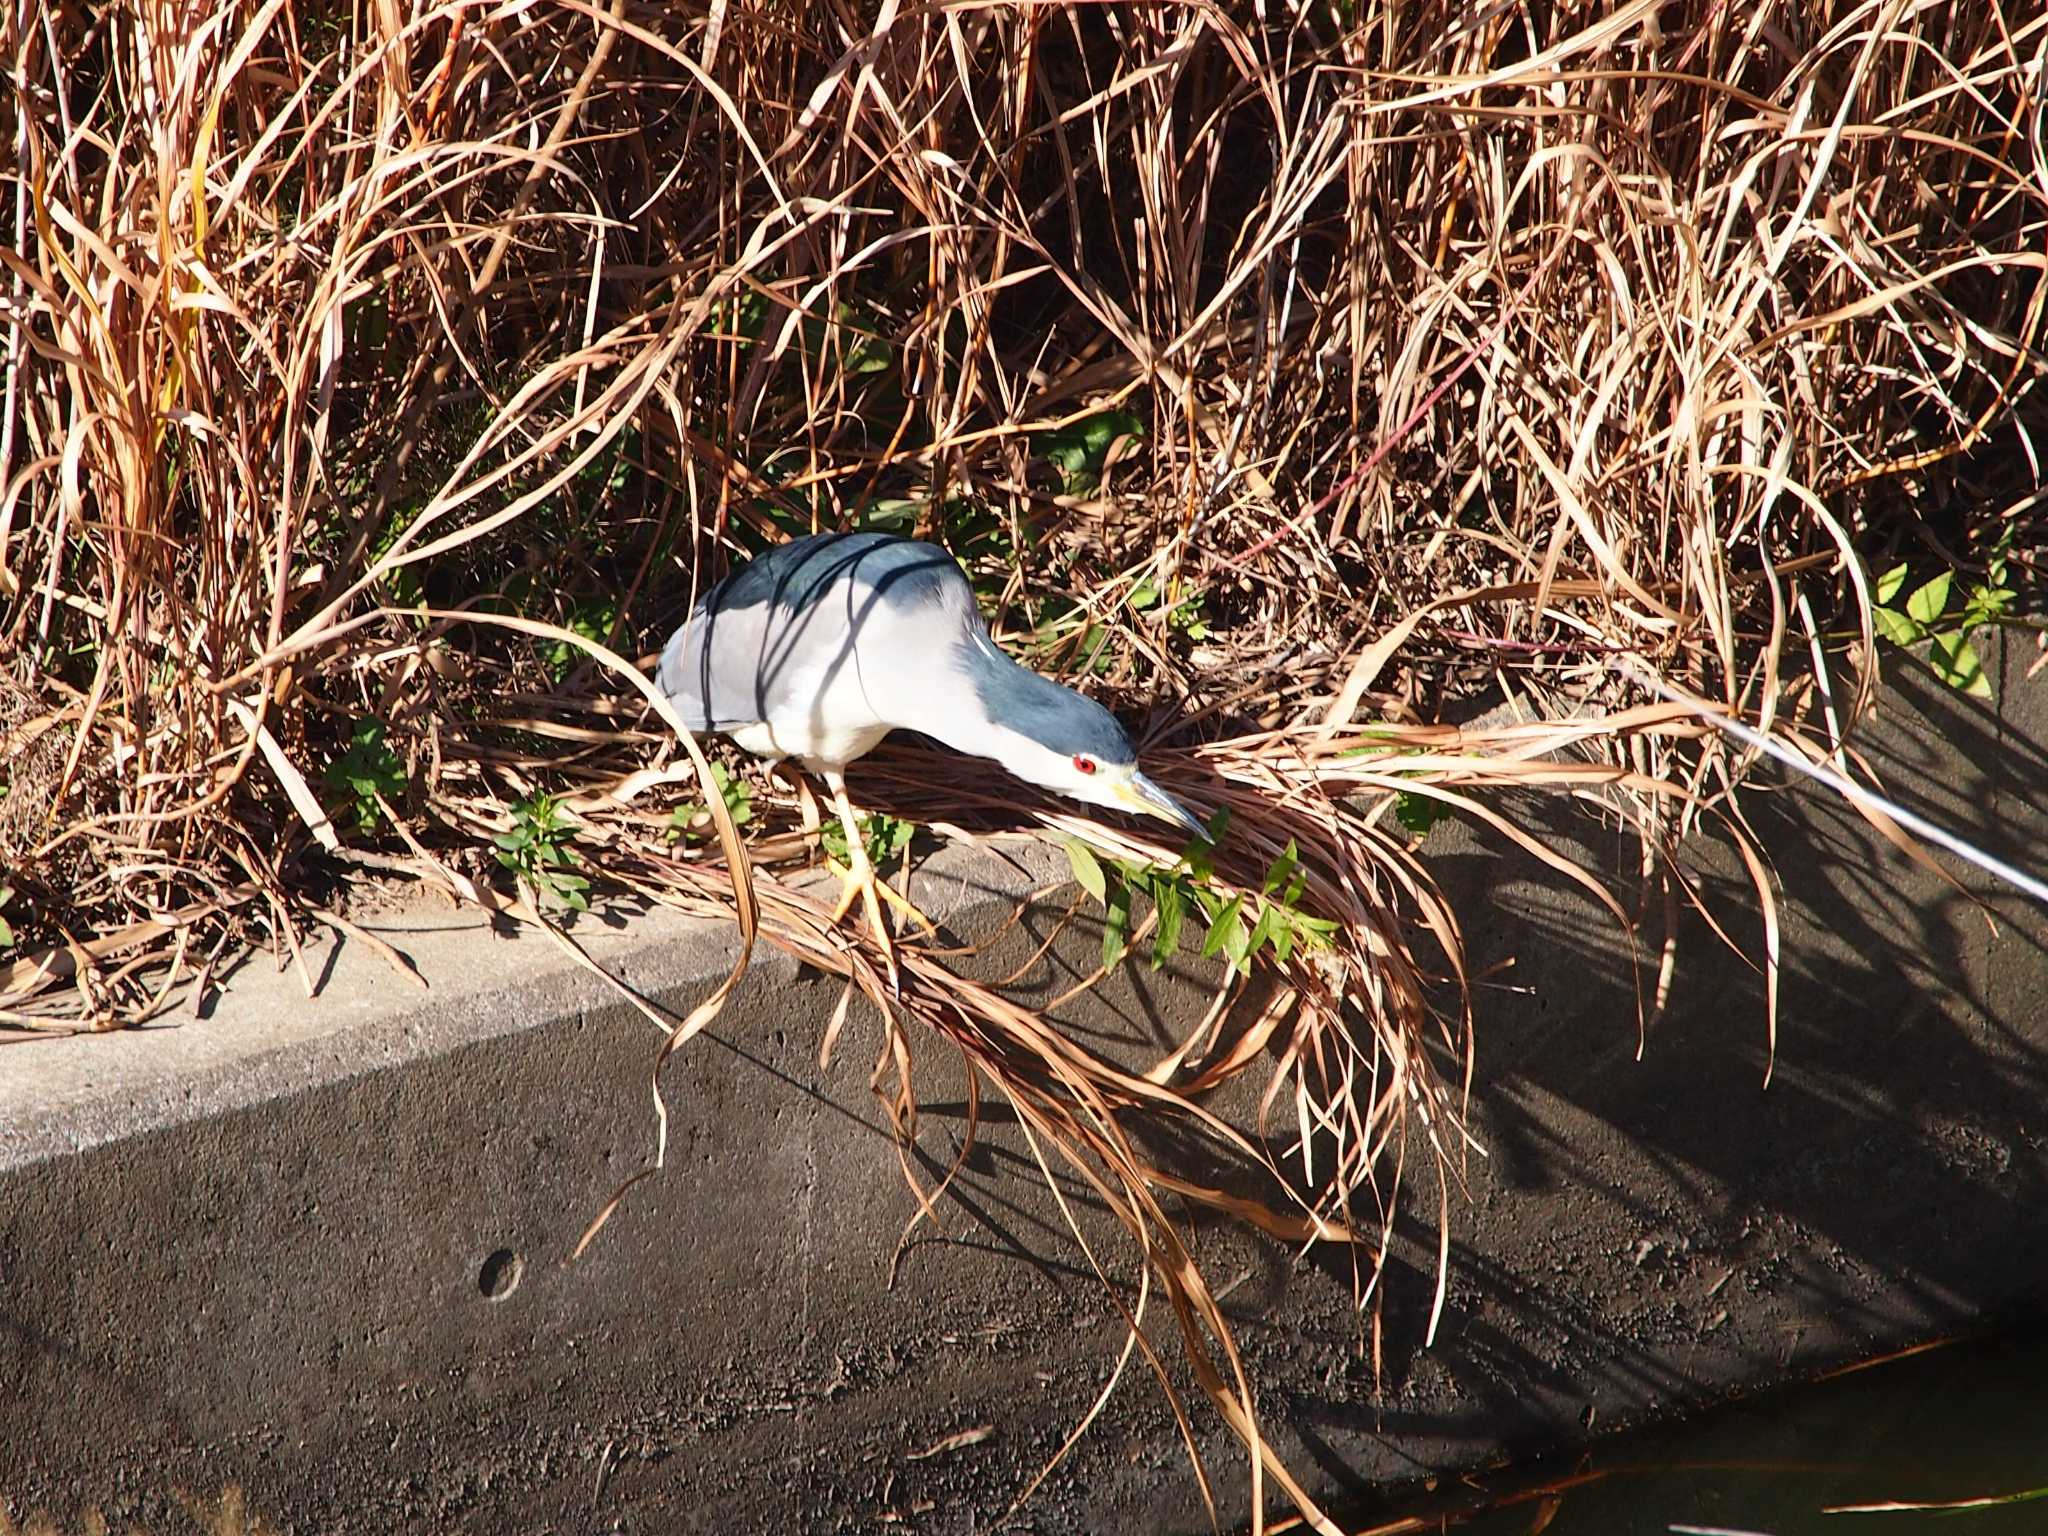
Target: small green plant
1930	612
593	620
692	820
1280	925
739	319
537	851
6	928
1184	606
366	770
403	584
867	351
1238	927
608	473
991	546
1080	450
1418	813
891	514
884	837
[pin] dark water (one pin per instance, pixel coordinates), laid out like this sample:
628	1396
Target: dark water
1966	1421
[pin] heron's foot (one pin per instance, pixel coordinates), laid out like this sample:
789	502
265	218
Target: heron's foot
863	884
854	892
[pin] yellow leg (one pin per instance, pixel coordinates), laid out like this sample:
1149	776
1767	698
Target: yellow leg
855	881
862	882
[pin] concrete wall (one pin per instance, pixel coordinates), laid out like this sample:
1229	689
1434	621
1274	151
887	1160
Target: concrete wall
262	1247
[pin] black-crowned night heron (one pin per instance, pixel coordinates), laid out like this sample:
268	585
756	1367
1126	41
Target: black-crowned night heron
823	646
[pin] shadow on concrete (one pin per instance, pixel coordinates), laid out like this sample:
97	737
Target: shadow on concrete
298	1293
1647	1234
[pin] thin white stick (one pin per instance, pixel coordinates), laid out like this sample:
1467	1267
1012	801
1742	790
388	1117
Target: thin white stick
1848	788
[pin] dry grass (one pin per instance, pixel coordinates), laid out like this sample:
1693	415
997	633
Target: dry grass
1447	352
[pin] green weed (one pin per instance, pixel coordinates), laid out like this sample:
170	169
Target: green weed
1932	613
1418	813
1080	450
891	514
593	620
884	837
1067	635
692	820
1184	606
537	852
1239	926
366	770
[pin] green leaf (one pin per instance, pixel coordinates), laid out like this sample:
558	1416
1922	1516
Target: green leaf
1955	662
736	793
868	354
537	851
1283	867
1890	583
1080	449
1315	932
1105	427
692	819
1116	926
896	835
1228	914
593	621
882	836
891	514
567	889
1263	931
1237	944
1927	602
1896	627
1986	605
1418	813
368	768
1095	654
1172	905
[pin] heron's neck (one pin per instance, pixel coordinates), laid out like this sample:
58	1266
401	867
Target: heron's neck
971	708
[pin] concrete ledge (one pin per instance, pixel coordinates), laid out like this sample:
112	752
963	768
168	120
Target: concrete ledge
316	1248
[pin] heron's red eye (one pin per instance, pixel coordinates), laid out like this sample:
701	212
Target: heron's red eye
1085	764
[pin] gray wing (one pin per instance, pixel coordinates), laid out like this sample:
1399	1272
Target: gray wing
776	630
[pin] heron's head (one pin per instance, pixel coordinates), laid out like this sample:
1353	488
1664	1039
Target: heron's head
1055	737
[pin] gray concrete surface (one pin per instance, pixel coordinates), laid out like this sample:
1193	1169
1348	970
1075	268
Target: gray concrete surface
318	1249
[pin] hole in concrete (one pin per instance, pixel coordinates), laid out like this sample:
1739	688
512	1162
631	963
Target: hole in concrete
499	1276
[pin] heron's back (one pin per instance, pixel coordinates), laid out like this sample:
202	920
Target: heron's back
781	642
